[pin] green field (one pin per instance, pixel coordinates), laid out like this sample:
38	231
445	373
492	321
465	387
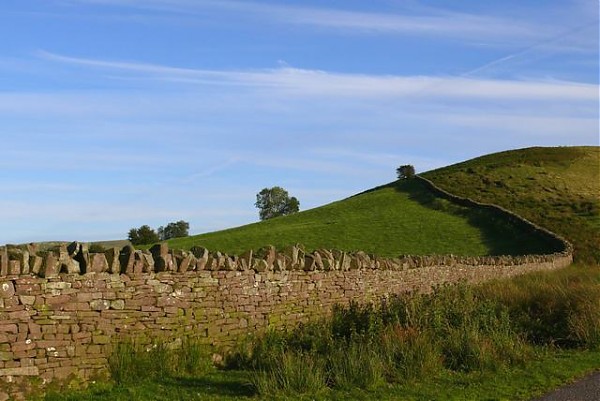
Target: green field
399	218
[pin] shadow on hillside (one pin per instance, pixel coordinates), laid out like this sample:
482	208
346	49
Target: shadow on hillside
500	236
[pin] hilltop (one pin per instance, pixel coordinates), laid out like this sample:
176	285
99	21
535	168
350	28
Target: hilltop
556	188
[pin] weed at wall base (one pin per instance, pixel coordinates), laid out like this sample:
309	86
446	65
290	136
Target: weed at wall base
291	373
133	361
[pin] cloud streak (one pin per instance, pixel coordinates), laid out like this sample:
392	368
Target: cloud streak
305	82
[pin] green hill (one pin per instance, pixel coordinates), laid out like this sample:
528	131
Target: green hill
556	188
399	218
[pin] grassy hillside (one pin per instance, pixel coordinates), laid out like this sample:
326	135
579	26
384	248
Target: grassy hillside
399	218
557	188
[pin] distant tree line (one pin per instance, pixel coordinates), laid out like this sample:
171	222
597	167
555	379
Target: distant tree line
146	235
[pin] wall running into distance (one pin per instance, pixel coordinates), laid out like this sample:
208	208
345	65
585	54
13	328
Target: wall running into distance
62	310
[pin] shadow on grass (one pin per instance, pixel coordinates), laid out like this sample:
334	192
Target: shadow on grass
230	384
499	235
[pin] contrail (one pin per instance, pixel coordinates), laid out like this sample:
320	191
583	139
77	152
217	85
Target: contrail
529	48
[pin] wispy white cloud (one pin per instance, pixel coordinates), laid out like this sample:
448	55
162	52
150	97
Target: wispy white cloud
321	83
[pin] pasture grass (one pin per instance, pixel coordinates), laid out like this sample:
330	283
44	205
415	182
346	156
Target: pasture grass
403	217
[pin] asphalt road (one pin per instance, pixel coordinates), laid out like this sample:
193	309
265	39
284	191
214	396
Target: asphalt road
586	389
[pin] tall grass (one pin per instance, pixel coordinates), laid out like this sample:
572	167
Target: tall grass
133	360
400	339
558	308
290	372
460	328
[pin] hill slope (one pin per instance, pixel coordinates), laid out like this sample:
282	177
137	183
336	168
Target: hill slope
399	218
557	188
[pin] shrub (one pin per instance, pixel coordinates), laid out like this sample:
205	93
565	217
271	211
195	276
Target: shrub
133	360
356	365
408	354
561	307
290	372
96	248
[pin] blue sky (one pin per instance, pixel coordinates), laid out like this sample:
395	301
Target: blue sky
118	113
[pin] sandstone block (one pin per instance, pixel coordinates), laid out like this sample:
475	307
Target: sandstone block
100	304
97	263
161	249
127	259
318	261
309	262
185	261
14	267
71	266
268	254
259	265
27	299
282	263
112	258
79	252
138	262
230	263
35	264
23	371
50	268
118	304
245	261
7	289
148	262
3	261
22	257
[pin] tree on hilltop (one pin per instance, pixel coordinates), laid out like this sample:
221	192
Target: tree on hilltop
405	172
275	201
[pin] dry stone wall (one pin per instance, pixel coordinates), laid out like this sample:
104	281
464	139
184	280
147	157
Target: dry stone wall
61	310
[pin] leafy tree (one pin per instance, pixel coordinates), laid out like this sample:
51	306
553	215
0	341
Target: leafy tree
142	235
405	172
174	230
273	202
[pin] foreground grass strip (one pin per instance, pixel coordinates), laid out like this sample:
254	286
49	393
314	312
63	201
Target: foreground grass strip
551	369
